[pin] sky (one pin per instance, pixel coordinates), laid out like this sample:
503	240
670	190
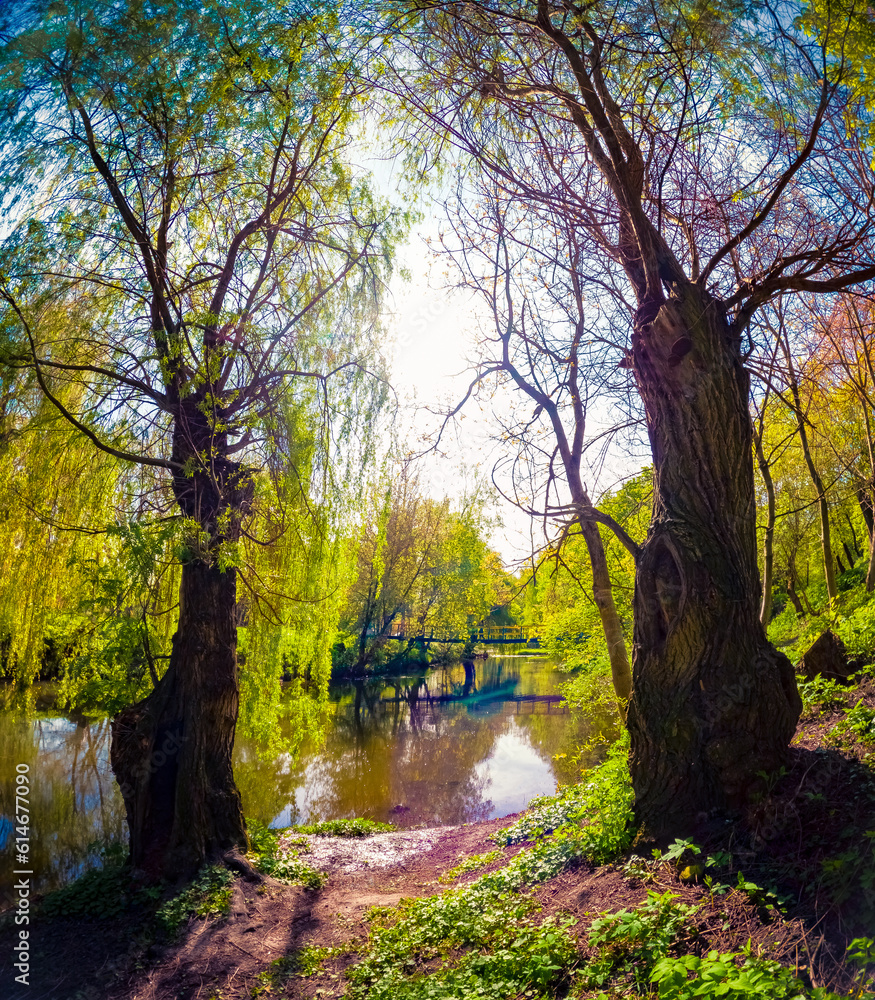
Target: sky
433	329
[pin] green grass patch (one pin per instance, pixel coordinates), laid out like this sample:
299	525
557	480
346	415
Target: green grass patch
302	963
265	855
469	865
597	813
357	827
209	895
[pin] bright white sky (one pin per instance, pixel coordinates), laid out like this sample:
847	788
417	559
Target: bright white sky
433	330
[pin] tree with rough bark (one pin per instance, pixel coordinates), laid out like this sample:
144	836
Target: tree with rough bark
712	155
191	258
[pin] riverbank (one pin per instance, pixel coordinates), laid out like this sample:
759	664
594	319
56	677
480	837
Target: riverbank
514	907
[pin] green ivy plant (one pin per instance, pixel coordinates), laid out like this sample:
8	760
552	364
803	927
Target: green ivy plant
209	895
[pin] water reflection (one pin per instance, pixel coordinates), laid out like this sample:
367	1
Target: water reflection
449	747
74	800
440	748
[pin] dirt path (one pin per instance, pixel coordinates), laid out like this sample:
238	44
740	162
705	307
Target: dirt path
223	959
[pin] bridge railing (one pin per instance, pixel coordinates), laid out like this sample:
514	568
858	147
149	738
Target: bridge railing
481	633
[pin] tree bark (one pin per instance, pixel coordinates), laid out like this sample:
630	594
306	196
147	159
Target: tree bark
865	502
794	598
832	589
713	702
851	557
603	594
769	537
172	752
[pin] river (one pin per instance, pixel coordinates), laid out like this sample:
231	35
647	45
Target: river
421	750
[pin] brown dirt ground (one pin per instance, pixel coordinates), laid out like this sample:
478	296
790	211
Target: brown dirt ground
222	960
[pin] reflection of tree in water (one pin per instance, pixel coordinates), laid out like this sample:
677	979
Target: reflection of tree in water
74	801
393	754
390	744
267	783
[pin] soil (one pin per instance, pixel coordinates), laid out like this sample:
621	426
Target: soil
788	836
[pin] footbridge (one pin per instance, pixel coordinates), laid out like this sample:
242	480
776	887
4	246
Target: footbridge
499	634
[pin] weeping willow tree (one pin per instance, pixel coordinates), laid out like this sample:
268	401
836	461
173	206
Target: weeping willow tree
41	477
193	265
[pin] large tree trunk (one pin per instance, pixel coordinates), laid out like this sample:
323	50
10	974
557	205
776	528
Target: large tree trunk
713	703
171	753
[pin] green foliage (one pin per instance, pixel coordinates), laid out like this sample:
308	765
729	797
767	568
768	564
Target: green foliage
289	868
590	692
305	961
262	839
209	895
471	864
730	975
121	621
860	721
820	692
631	942
633	959
264	854
856	628
99	893
851	874
419	562
356	827
238	124
506	951
596	813
784	628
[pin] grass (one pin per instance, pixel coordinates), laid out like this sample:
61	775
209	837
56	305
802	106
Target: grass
266	858
357	827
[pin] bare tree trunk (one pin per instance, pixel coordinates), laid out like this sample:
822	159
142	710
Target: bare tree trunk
849	554
171	753
769	537
603	594
865	502
823	508
794	598
864	496
870	570
713	702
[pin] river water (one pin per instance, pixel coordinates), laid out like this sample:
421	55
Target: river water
421	750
